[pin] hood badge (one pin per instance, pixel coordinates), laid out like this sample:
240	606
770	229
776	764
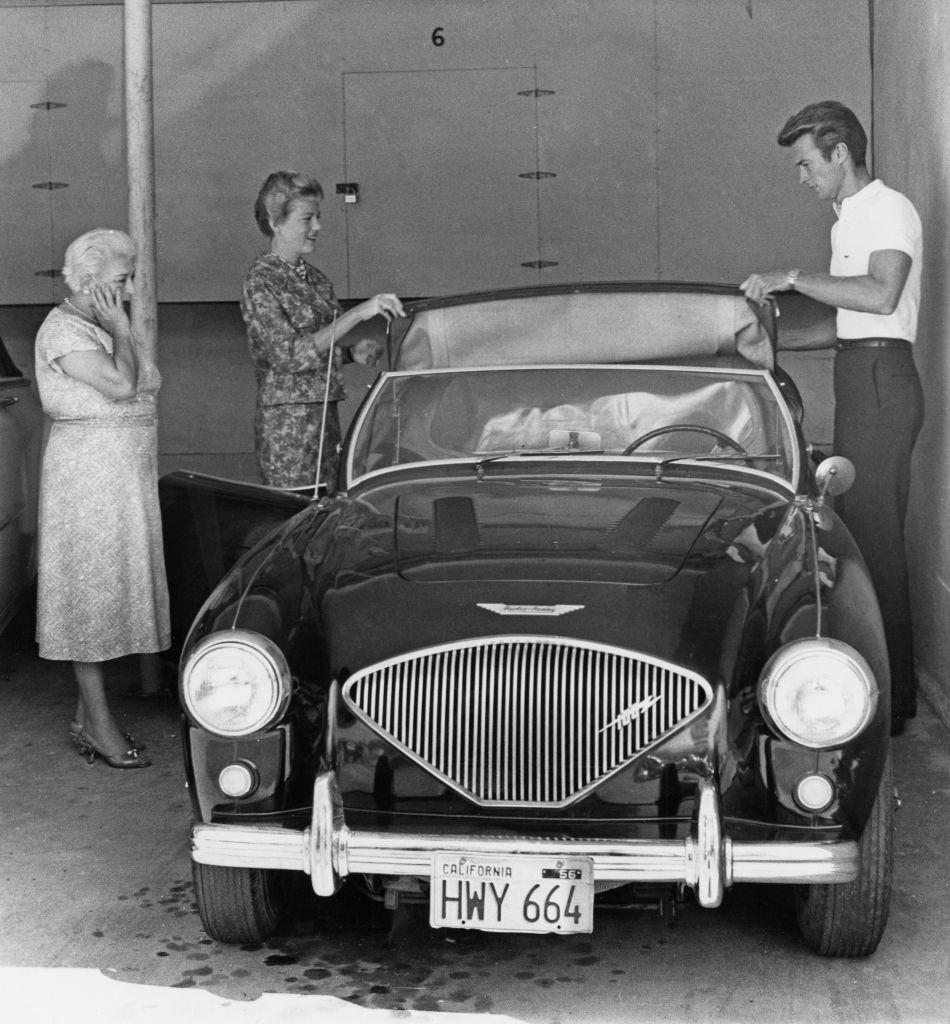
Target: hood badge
627	716
531	609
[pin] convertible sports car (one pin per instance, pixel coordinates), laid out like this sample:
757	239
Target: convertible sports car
579	618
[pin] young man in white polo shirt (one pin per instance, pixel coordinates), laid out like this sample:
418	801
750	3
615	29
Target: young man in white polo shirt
874	281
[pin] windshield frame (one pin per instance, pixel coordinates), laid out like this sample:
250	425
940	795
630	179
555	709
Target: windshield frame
789	481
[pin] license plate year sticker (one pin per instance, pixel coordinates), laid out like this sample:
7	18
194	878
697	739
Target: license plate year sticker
512	894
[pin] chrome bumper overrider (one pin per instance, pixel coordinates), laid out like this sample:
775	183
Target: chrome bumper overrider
707	861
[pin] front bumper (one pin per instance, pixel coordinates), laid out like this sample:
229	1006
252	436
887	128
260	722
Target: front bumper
706	861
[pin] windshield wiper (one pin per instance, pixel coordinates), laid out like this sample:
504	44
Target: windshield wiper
483	458
720	457
494	456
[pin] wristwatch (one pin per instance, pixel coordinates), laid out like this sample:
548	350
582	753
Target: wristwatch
791	279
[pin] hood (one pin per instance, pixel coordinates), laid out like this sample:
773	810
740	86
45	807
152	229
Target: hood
636	564
548	529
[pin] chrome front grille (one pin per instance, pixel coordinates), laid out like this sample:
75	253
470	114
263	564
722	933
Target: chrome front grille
524	720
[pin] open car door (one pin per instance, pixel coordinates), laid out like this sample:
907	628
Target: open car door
21	431
208	523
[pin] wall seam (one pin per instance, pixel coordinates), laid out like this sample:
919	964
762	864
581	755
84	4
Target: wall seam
871	131
656	136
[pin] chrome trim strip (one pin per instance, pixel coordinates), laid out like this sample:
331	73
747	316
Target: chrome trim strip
631	860
329	851
251	846
756	477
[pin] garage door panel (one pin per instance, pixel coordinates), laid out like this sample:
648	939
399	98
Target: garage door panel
439	159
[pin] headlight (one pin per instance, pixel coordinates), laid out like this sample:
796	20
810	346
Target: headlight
817	692
235	683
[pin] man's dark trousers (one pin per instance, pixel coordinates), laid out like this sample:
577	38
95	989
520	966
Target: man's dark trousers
878	414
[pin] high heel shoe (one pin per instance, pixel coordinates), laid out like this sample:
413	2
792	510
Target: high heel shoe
75	732
129	759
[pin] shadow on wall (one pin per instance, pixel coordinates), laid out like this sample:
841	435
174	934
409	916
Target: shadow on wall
61	178
63	171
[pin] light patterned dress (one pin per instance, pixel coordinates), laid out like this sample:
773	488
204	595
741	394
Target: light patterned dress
102	589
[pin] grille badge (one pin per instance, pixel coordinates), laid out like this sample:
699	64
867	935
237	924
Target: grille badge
531	609
627	716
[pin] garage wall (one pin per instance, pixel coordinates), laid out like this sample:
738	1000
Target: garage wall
617	139
912	133
498	143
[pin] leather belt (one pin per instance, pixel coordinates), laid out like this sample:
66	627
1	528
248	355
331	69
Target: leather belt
843	344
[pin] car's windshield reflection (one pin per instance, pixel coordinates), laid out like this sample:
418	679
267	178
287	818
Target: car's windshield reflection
647	412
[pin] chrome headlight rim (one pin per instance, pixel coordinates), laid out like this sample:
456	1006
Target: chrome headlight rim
792	656
246	643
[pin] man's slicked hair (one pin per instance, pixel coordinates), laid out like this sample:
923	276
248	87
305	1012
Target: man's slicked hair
828	123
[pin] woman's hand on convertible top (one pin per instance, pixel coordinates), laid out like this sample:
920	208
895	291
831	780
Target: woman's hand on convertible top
385	305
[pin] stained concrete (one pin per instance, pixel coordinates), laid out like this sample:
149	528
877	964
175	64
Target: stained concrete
95	878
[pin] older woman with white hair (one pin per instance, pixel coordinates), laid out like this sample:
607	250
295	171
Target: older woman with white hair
102	592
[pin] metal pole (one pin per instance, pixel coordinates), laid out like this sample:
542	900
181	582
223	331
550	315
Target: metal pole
140	165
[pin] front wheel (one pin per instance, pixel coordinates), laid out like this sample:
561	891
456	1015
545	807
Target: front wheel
849	920
238	904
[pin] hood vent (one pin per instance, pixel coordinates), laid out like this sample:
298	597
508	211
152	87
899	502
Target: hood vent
453	520
641	525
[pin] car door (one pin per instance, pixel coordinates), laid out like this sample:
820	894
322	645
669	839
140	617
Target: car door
208	523
20	434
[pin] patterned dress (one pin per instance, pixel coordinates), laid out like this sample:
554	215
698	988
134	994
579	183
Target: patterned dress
284	306
102	590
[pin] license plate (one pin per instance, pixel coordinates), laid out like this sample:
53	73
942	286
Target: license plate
512	894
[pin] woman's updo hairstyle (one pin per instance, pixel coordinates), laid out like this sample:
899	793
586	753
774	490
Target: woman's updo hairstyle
277	193
93	253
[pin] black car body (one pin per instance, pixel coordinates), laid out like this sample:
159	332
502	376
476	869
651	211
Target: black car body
21	432
578	618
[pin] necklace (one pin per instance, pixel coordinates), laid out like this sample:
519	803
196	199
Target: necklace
299	268
79	312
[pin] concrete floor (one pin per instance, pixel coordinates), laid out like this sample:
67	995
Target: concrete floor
97	920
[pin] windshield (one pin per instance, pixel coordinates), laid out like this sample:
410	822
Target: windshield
655	412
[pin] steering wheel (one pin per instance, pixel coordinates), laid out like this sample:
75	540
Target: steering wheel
677	428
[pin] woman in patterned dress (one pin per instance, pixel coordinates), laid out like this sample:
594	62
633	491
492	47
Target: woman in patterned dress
293	318
102	592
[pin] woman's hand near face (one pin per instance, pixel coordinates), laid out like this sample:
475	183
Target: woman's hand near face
109	308
116	375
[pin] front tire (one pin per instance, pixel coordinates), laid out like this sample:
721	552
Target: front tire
848	920
238	904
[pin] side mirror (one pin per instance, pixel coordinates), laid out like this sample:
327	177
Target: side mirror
835	475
